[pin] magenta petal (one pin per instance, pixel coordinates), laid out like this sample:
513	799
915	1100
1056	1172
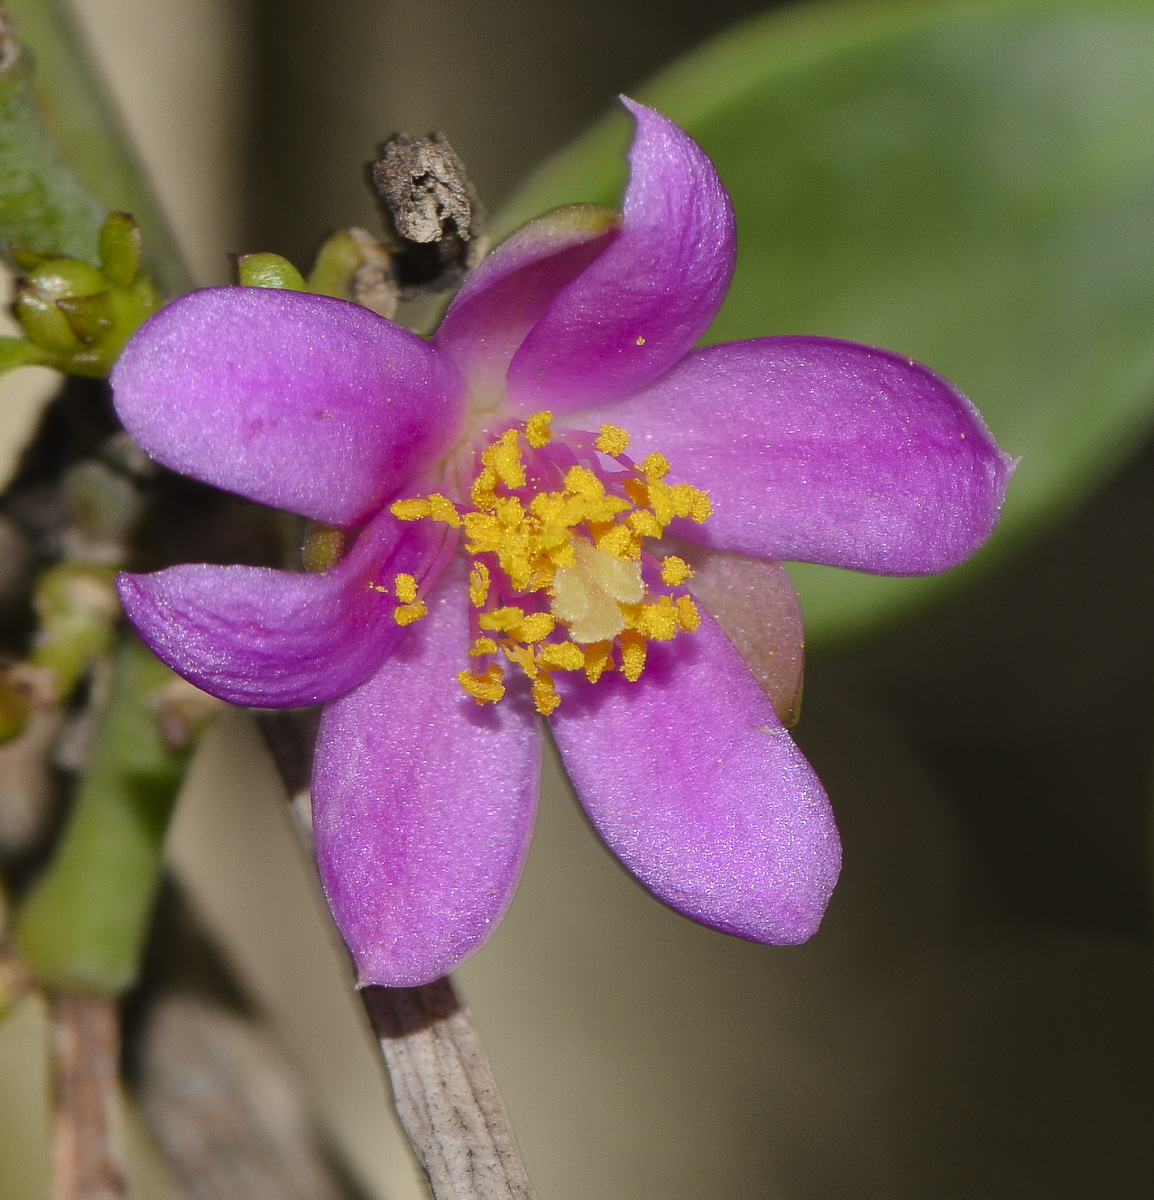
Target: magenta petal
423	804
816	450
641	304
303	402
693	783
276	639
506	295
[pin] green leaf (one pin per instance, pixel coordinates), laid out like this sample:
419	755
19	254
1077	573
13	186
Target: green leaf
43	206
82	927
971	184
81	120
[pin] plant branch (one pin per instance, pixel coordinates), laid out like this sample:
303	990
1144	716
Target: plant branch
88	1162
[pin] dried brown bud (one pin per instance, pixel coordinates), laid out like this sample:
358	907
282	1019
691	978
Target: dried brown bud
431	213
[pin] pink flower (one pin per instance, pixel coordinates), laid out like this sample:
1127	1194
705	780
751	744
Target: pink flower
460	587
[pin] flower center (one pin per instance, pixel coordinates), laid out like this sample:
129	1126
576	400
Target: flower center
560	579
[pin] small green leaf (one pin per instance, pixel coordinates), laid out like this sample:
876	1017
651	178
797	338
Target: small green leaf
971	184
83	926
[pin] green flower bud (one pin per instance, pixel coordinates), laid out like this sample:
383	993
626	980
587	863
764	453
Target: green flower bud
269	271
61	277
120	249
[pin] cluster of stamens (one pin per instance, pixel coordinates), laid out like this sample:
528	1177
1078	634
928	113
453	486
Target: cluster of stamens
557	540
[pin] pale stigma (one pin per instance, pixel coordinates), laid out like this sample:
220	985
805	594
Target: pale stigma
588	595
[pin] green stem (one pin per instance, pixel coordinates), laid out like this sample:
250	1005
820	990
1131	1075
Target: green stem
72	156
82	928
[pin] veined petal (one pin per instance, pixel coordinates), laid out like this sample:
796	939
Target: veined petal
815	450
693	783
505	296
277	639
303	402
636	309
423	804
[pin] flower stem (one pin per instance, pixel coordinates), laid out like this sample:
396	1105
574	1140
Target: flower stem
446	1094
88	1162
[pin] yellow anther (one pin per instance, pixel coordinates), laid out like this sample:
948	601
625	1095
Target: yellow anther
510	511
657	621
547	506
444	510
689	501
406	614
501	620
580	481
537	431
481	492
644	523
405	588
618	541
485	689
674	570
545	696
661	501
479	584
655	466
613	440
687	615
482	646
632	655
504	456
523	656
561	656
598	660
534	628
410	510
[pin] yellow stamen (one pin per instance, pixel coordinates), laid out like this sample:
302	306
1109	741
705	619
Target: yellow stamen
406	614
655	466
410	510
485	689
537	431
613	440
574	553
561	656
478	584
500	620
443	510
632	655
545	696
598	660
687	615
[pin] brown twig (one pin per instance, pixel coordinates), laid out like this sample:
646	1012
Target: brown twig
88	1162
444	1089
446	1094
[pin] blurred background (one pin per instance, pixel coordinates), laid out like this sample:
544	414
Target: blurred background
974	1018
